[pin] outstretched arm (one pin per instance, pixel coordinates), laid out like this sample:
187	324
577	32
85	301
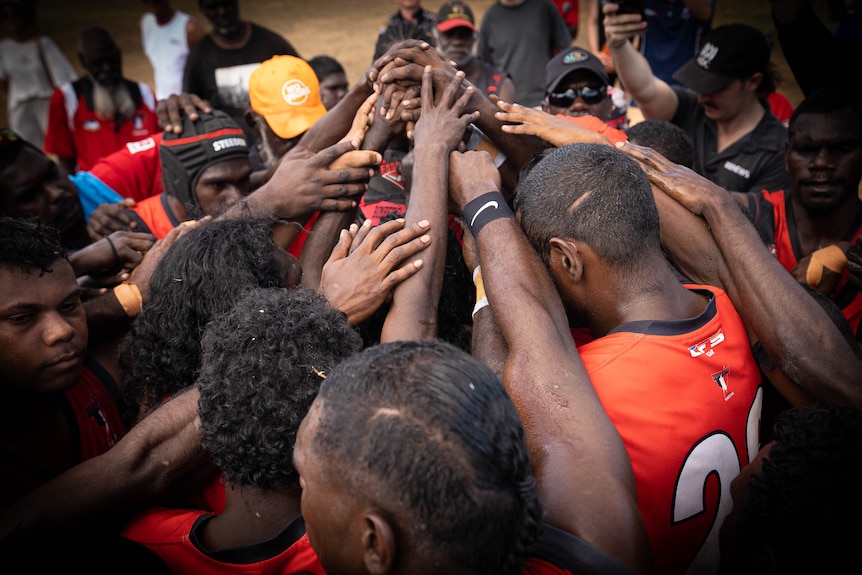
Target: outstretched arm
586	483
654	97
440	129
793	329
156	453
405	66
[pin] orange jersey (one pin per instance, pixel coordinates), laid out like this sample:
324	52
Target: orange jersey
684	396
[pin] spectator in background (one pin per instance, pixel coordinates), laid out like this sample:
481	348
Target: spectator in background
411	21
331	78
101	111
219	66
577	85
280	118
167	35
739	143
31	66
520	36
570	11
455	35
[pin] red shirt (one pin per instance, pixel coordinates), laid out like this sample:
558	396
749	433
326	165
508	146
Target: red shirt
134	171
569	10
685	398
170	533
780	107
74	131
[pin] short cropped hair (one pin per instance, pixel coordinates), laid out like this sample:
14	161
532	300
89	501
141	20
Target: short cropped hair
825	101
594	194
261	366
664	137
28	244
324	66
428	433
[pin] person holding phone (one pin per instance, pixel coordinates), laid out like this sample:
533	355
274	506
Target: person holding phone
739	143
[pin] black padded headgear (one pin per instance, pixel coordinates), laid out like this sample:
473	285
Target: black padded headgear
209	140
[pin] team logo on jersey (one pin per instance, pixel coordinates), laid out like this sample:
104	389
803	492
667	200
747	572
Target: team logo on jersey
139	146
91	125
706	346
720	379
391	172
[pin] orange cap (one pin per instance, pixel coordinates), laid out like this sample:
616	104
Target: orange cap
285	91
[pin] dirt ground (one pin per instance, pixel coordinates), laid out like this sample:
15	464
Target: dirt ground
343	29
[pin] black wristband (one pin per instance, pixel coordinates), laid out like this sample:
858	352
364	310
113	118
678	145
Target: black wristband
484	209
117	262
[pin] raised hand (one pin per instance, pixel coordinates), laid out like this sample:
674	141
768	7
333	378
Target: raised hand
554	130
367	263
619	28
445	120
685	186
471	174
329	180
113	254
168	110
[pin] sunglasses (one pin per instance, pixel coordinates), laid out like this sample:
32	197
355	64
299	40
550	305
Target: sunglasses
590	95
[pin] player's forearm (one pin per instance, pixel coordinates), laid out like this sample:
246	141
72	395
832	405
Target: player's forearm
793	329
413	314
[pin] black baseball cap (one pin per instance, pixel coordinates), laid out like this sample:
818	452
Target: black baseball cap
728	52
568	61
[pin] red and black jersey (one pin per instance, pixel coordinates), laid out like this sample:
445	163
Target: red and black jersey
173	535
91	409
684	396
772	214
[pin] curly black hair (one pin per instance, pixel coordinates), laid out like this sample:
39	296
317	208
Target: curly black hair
427	432
29	244
261	366
200	276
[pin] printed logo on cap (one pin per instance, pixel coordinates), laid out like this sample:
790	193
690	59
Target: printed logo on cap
575	56
295	92
707	55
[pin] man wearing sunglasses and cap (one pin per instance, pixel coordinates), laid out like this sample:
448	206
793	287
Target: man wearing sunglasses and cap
576	84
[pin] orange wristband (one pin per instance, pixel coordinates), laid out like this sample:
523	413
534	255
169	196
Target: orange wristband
129	297
831	257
